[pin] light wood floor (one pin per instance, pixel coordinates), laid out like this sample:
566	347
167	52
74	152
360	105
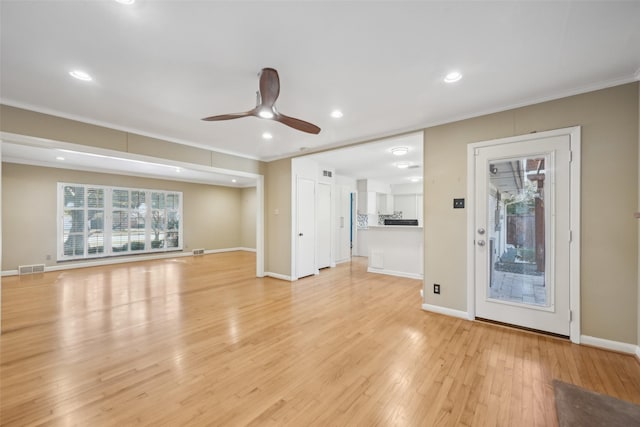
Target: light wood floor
200	341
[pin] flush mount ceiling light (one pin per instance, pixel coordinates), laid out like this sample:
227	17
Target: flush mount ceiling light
402	165
336	114
60	158
453	77
414	179
399	151
80	75
267	135
127	2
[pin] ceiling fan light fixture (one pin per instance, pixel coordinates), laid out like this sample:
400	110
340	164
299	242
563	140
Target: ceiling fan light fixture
266	114
399	151
453	77
265	106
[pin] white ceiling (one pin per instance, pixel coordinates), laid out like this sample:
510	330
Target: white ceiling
160	66
376	161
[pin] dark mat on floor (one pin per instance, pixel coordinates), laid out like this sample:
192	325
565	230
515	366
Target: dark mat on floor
576	406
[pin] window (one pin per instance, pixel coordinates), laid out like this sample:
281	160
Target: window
97	221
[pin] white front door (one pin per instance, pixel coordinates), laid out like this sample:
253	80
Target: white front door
522	232
306	233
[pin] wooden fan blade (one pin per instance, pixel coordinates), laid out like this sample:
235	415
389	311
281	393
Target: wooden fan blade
269	87
298	124
229	116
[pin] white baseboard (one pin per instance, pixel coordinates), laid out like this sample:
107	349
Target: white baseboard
395	273
125	259
618	346
446	311
218	251
278	276
638	352
246	249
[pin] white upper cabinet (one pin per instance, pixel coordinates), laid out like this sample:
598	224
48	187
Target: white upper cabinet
367	203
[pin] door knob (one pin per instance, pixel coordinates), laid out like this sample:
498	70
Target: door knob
480	230
480	242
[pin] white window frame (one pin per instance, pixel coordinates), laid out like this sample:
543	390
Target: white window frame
108	210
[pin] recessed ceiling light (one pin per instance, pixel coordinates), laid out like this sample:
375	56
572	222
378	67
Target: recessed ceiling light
414	179
234	180
127	2
336	114
402	165
60	158
453	77
399	151
178	170
267	135
80	75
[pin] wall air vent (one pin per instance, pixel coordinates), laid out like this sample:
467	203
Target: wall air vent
30	269
327	173
198	252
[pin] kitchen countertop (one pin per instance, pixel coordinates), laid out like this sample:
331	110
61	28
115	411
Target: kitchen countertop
413	227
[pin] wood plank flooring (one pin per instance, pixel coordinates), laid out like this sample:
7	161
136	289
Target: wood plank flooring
201	341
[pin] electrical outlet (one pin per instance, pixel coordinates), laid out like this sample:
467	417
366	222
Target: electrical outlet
436	288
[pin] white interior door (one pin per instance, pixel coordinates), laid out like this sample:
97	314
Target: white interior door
323	210
306	235
522	233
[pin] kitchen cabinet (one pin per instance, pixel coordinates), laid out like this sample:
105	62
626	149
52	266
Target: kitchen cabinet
385	203
410	205
367	203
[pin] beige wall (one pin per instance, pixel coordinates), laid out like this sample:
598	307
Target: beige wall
277	217
248	218
212	214
609	120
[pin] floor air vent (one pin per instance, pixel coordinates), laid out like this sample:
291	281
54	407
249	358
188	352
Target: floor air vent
30	269
198	251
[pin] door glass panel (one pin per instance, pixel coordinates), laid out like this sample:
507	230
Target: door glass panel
516	232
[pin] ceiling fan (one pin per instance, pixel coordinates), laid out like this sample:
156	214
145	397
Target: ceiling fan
265	108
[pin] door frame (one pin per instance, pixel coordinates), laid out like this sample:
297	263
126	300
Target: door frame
574	134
